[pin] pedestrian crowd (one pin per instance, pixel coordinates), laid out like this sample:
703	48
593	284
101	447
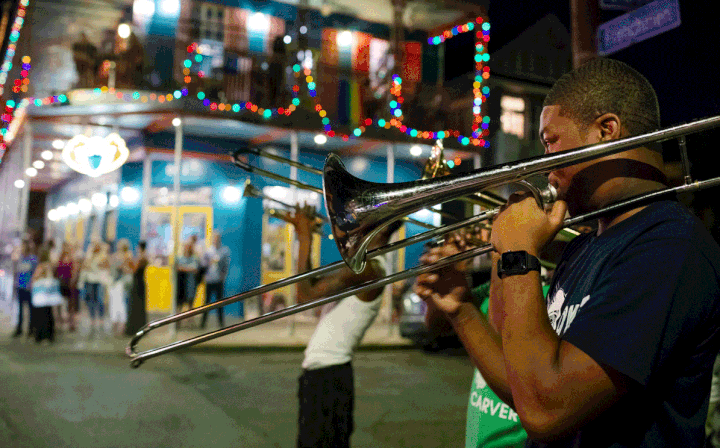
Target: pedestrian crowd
52	284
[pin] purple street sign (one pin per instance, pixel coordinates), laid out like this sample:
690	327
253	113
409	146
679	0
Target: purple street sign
624	5
638	25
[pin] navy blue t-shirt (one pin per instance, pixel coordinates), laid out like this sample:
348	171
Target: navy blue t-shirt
643	298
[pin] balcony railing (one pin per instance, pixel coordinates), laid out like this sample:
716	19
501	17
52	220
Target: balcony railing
267	79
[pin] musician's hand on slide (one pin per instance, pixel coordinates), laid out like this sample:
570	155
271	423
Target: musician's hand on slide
446	287
522	225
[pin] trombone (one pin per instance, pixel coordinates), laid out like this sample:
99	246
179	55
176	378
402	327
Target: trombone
399	198
252	191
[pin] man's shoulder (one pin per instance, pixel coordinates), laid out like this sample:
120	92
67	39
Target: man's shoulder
663	220
674	224
665	227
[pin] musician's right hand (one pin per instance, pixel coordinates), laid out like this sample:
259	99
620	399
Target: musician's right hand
446	287
305	221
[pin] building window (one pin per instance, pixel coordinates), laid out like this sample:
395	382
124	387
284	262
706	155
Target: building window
512	116
209	21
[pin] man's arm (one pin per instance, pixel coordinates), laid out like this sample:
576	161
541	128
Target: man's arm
447	289
555	386
305	223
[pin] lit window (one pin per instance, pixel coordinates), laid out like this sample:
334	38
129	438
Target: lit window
512	116
211	21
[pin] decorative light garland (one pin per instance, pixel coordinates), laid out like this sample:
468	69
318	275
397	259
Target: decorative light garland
8	114
14	36
480	94
7	66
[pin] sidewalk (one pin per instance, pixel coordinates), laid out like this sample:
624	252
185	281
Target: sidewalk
281	334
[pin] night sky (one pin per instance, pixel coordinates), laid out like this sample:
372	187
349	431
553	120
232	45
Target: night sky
682	64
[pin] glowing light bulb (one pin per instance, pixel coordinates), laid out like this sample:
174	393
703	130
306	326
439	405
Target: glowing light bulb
99	200
123	30
85	205
345	39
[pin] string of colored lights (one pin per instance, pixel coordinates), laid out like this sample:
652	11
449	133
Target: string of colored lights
12	39
19	85
480	94
7	66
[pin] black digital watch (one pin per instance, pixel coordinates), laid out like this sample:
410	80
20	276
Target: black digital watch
517	263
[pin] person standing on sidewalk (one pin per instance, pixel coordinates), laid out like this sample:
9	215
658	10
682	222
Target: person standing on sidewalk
217	263
137	314
326	387
66	272
94	274
26	264
186	266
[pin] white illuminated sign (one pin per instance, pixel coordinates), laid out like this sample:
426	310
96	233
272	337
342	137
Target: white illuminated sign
95	156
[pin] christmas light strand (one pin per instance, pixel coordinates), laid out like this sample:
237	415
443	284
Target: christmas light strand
13	38
480	94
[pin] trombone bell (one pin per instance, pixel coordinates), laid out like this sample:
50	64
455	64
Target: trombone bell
358	209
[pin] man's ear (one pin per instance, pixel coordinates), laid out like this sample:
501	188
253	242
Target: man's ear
610	126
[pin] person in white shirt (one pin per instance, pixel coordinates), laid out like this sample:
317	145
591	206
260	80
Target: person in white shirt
326	387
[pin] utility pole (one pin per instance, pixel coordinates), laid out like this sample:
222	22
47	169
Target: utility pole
584	23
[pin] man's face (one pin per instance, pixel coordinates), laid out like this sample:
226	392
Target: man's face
558	133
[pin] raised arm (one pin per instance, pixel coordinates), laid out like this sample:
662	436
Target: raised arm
305	222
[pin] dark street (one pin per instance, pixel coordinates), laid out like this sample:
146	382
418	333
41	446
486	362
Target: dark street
224	398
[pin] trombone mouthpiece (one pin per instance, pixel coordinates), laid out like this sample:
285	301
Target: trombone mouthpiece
549	194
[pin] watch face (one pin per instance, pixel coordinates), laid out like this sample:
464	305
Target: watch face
514	261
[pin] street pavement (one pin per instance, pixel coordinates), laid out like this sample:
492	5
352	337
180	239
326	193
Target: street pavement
239	391
290	333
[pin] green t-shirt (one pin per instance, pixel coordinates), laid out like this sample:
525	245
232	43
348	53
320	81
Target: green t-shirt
490	422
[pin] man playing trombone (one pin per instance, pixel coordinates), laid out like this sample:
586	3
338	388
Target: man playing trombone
326	387
621	352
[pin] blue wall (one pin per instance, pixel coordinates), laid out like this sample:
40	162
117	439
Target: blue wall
129	214
241	223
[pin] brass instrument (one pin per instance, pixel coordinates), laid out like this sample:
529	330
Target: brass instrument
254	192
359	209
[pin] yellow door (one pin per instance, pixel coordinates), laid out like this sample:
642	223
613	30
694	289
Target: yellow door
276	260
164	232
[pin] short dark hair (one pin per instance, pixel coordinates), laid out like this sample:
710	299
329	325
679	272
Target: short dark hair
602	86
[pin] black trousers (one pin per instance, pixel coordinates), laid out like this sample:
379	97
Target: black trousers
326	398
213	293
25	297
44	323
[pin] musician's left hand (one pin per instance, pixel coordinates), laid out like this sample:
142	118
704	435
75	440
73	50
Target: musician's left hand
522	225
447	287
